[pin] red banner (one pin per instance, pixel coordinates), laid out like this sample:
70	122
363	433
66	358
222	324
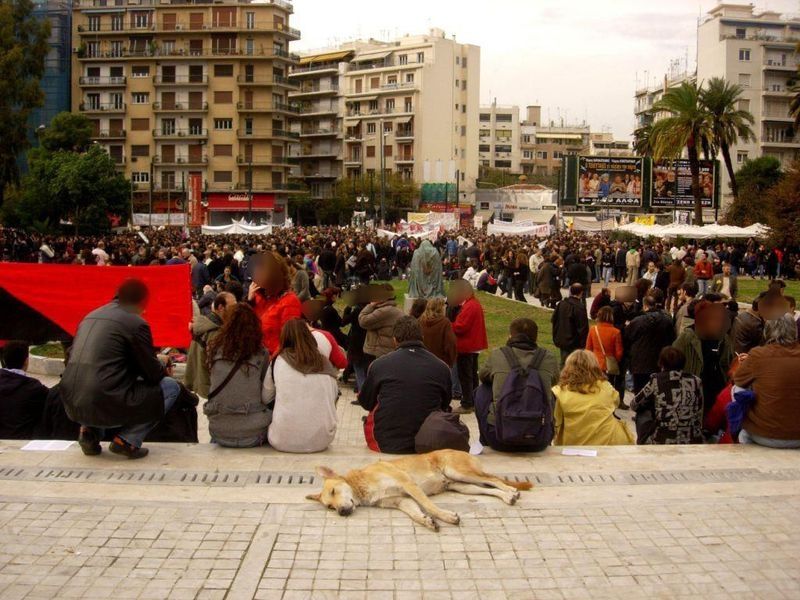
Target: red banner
56	298
196	195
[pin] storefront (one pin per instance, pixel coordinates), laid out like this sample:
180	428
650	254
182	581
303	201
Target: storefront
222	207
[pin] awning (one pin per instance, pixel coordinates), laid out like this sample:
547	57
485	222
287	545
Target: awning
485	215
355	123
404	120
536	216
370	56
327	57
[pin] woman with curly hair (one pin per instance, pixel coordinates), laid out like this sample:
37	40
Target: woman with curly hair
238	417
585	404
271	297
302	384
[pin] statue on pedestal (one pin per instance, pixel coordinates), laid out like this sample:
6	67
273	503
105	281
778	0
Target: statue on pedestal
425	279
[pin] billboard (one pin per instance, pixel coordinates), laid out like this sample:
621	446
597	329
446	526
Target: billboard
610	181
672	184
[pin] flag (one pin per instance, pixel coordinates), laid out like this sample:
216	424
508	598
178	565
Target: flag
42	303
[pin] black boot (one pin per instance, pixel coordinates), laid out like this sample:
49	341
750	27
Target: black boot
120	446
89	441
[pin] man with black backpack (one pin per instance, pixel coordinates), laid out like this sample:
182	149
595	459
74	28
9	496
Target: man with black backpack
514	404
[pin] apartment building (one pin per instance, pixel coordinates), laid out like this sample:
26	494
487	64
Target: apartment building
604	144
190	99
499	137
543	146
757	51
409	106
647	96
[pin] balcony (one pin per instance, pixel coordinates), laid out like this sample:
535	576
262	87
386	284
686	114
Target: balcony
332	67
266	134
319	132
777	90
190	133
263	160
168	186
317	153
778	64
775	140
310	110
778	115
107	107
274	81
386	87
111	134
181	80
354	161
379	112
189	52
102	81
267	107
163	107
404	160
404	134
317	90
319	174
268	187
180	160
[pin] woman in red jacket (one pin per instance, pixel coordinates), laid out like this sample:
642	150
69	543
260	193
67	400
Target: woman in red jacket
271	298
470	330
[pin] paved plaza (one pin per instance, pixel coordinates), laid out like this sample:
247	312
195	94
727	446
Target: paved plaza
207	522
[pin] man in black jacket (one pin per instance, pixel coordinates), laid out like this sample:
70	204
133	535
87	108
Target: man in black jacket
644	338
570	323
113	377
22	398
402	389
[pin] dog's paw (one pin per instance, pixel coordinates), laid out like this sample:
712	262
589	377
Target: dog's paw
450	517
430	523
511	499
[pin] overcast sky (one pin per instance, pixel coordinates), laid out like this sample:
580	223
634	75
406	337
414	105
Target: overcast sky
578	59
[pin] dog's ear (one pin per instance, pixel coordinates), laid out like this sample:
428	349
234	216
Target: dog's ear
326	472
314	497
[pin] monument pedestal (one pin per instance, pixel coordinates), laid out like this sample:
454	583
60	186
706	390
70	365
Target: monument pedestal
407	303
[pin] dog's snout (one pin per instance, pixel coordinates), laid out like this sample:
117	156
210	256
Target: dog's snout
345	511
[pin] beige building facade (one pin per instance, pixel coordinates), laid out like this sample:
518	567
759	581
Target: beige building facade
499	137
187	95
409	106
757	51
543	146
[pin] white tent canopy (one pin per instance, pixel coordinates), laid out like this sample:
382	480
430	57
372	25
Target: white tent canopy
237	228
695	232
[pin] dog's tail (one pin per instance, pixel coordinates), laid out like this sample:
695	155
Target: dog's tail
519	485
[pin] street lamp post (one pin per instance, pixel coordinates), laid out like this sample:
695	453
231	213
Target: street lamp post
250	190
383	175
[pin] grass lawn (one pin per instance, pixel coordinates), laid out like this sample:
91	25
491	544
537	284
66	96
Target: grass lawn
750	288
49	350
499	314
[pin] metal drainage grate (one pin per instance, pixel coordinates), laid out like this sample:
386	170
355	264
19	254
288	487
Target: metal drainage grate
655	477
181	478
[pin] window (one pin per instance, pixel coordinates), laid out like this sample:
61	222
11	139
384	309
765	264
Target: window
249	46
223	70
374	83
370	151
463	130
744	54
371	128
388	127
94	23
387	150
458	60
140	98
117	49
223	97
408	104
464	108
457	84
116	100
463	84
486	117
140	151
420	57
541	155
484	148
140	124
223	150
93	49
373	105
390	105
457	105
140	177
409	78
502	148
741	33
140	71
141	20
464	62
527	154
744	105
741	157
503	136
403	59
223	124
223	176
250	20
391	80
744	79
503	118
116	22
502	164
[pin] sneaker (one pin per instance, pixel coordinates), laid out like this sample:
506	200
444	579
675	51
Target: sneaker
120	446
89	441
464	410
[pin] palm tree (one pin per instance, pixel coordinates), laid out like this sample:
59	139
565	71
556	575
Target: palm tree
686	125
729	124
642	138
794	108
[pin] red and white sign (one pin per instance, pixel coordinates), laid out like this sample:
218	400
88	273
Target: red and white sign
239	201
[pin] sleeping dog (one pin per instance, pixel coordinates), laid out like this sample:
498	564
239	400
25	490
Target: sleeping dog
406	483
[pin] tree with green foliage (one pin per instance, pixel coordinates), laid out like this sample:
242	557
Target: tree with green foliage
67	131
729	124
82	187
794	107
401	195
685	126
642	140
784	203
23	48
756	177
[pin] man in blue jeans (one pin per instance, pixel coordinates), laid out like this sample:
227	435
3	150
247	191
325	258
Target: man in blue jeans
114	379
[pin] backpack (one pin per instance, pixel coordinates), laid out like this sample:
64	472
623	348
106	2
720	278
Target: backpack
441	430
523	415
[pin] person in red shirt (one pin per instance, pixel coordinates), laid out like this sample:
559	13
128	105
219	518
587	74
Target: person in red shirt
703	272
273	302
470	330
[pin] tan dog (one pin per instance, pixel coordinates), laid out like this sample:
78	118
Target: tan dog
406	483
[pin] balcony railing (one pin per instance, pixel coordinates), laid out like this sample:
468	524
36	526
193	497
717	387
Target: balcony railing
261	159
111	133
180	106
261	186
320	131
328	66
274	80
168	186
317	89
311	109
266	133
190	132
180	160
404	133
102	80
188	52
102	107
181	79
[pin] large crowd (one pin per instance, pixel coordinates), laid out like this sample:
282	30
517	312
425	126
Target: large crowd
279	319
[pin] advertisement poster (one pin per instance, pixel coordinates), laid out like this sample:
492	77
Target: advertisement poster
610	181
672	184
